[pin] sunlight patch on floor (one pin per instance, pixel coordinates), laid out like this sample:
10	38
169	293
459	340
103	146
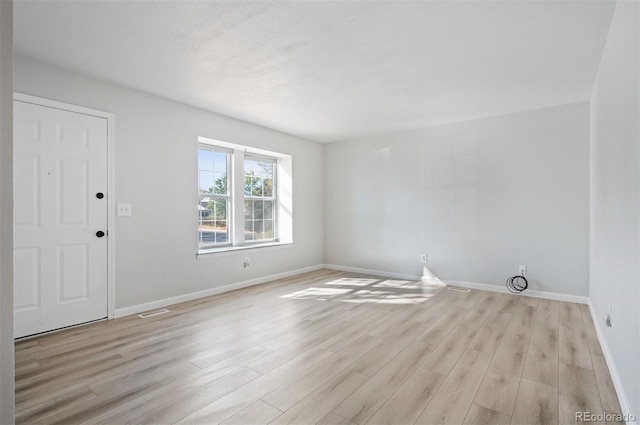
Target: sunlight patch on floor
321	294
393	283
365	290
351	281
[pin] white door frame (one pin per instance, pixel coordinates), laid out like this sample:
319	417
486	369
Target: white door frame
111	203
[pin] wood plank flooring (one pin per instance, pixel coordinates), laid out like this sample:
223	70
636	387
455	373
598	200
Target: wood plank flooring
324	347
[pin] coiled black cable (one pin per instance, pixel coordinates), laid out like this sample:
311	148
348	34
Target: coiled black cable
517	284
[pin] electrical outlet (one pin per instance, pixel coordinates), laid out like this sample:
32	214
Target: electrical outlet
123	210
246	262
424	258
522	270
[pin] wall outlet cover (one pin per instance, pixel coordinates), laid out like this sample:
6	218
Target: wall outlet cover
123	210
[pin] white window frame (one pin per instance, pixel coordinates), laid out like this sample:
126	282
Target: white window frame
228	196
274	198
282	196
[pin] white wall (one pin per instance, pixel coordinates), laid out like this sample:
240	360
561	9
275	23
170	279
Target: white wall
6	214
615	197
480	197
156	172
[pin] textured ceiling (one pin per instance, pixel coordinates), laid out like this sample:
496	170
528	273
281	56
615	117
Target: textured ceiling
330	70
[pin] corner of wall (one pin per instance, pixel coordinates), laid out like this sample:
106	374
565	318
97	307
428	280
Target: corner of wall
614	201
7	368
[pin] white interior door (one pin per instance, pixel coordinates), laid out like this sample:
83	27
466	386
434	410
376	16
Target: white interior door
60	197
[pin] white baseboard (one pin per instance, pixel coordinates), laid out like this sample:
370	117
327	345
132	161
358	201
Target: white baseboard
139	308
625	406
528	293
371	272
471	285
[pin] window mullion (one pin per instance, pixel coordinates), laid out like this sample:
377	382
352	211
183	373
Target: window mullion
237	197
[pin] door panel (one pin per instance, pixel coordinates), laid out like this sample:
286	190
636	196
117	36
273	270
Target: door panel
73	279
26	201
73	196
27	271
60	264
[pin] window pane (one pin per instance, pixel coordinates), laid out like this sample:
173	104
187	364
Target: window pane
204	202
257	229
268	210
213	232
268	187
208	220
205	181
221	231
212	171
205	159
268	229
258	177
248	230
220	162
257	210
262	230
201	220
247	184
248	210
256	186
213	208
220	183
205	230
222	208
257	167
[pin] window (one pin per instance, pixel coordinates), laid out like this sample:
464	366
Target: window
214	201
259	198
244	197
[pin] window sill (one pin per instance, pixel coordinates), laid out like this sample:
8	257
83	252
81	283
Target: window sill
227	249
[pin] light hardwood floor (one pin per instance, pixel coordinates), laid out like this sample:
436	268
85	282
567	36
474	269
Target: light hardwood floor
325	347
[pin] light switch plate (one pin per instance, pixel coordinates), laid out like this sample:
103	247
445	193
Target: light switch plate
123	210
